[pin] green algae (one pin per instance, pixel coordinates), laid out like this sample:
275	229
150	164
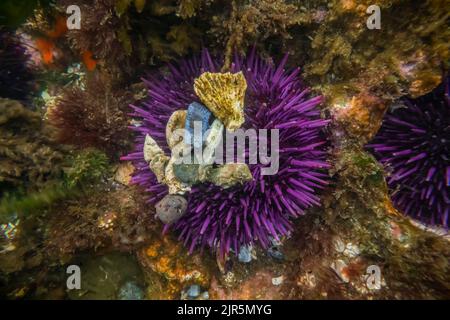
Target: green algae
89	166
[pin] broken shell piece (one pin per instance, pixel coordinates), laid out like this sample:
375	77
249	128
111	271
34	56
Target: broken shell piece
277	281
212	140
124	172
176	121
187	173
230	174
351	250
204	172
175	185
171	208
158	166
197	116
151	149
245	253
339	245
223	94
156	158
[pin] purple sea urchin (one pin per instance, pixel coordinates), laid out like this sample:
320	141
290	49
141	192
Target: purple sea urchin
414	143
258	209
15	72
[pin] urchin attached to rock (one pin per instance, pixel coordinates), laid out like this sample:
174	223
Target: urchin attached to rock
256	209
414	144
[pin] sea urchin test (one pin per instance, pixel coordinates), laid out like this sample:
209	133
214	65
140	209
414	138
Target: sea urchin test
251	192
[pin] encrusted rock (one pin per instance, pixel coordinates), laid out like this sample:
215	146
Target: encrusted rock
180	176
187	173
171	208
167	262
158	166
230	174
223	94
204	172
176	186
124	172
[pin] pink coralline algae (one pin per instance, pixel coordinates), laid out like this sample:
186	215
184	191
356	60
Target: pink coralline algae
260	209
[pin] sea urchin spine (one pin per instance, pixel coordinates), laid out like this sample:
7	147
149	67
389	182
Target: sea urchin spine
414	143
263	207
15	71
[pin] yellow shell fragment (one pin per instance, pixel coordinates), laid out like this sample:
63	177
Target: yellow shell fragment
223	94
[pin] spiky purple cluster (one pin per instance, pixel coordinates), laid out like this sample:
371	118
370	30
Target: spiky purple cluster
15	71
414	143
259	209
